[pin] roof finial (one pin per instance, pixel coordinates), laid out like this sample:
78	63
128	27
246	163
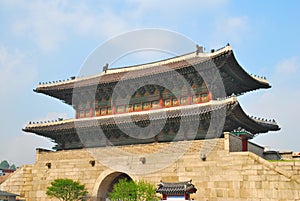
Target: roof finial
105	68
199	49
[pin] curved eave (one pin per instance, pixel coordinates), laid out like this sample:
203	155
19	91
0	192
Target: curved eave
241	119
235	118
237	80
64	95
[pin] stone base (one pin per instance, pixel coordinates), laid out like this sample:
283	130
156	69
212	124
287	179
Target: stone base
222	176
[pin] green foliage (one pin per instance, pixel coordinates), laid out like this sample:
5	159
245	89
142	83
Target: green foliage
4	164
66	190
131	191
123	190
283	160
13	167
146	191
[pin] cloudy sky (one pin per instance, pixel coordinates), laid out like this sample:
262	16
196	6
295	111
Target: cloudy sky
49	40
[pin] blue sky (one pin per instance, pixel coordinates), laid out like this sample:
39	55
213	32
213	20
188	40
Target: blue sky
49	40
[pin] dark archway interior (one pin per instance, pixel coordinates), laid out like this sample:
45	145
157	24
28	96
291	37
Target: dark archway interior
107	184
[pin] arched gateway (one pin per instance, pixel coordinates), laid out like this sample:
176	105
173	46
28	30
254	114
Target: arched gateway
105	182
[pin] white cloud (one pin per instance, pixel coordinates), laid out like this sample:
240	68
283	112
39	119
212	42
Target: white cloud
281	102
50	23
168	7
16	72
233	29
288	66
279	105
20	149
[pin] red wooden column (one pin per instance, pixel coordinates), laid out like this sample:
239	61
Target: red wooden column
244	143
77	112
113	108
161	101
186	196
91	113
209	97
189	98
245	136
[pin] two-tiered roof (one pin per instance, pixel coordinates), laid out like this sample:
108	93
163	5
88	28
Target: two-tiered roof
91	97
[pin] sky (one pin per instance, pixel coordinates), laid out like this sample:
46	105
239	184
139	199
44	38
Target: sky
49	40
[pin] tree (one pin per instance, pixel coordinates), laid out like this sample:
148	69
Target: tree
66	190
13	167
123	190
146	191
4	164
131	191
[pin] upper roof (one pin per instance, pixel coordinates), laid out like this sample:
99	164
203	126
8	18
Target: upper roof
236	80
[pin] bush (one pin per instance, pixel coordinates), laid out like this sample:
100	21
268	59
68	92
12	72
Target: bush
66	190
131	191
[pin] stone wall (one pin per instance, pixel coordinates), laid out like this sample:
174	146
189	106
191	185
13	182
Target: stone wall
235	143
222	176
256	149
236	146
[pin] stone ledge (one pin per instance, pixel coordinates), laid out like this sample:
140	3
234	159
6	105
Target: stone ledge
269	165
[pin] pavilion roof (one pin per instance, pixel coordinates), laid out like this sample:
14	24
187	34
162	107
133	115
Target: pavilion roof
5	193
236	80
176	188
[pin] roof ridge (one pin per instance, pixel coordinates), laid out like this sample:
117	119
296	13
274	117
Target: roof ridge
140	66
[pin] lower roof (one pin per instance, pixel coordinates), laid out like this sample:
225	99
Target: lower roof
235	118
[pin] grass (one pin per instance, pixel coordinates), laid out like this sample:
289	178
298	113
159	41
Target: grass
283	160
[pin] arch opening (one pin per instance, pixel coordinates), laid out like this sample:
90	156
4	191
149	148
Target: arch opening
106	185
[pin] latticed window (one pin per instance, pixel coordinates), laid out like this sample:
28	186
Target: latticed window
103	111
155	104
109	111
204	97
81	114
97	112
196	98
129	108
175	102
120	109
146	106
137	106
168	103
183	100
